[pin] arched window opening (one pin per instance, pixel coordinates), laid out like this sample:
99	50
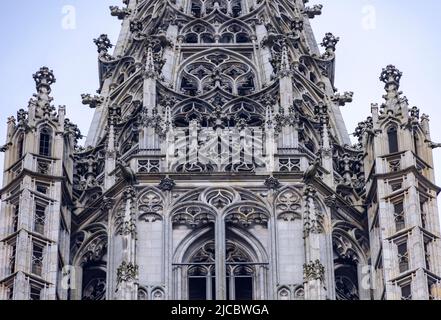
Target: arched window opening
346	263
45	142
235	33
94	283
199	33
20	147
202	275
227	38
191	38
392	134
416	143
240	274
94	274
346	283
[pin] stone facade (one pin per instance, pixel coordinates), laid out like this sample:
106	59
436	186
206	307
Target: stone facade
218	166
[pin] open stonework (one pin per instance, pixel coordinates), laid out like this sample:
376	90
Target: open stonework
218	166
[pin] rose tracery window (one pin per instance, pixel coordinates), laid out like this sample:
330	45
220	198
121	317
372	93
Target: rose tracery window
200	8
218	71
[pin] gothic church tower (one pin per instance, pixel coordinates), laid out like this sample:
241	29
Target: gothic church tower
218	166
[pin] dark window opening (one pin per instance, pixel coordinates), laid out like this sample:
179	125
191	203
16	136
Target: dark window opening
40	218
244	288
406	292
45	142
227	38
11	293
236	9
35	293
400	222
20	147
15	218
191	38
197	289
243	38
427	255
188	87
207	38
201	283
37	260
196	9
423	215
393	139
12	259
246	88
42	188
403	257
416	143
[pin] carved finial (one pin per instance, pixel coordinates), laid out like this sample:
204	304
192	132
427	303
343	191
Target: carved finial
44	78
391	76
330	42
103	44
22	116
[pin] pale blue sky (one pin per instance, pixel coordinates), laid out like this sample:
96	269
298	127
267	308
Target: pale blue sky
406	34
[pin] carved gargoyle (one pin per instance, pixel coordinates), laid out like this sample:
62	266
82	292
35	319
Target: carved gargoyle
127	173
434	145
92	101
5	147
312	171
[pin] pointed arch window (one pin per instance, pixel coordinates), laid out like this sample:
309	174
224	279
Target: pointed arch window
20	146
199	33
416	143
202	274
45	142
392	136
235	33
240	274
